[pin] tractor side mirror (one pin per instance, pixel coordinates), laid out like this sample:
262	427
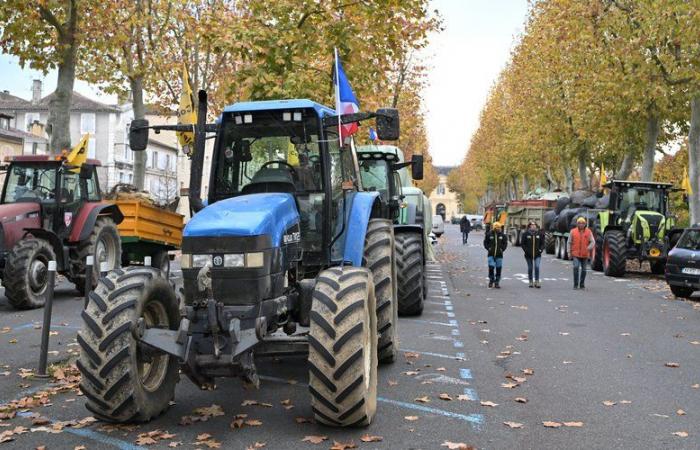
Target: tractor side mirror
138	135
417	167
388	124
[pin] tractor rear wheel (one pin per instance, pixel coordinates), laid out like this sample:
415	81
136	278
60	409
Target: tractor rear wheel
410	273
343	348
26	273
614	253
104	245
379	259
681	291
123	380
549	243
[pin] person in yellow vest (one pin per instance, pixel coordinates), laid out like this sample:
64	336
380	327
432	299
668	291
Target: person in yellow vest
580	245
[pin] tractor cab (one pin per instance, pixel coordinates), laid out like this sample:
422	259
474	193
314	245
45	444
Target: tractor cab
640	208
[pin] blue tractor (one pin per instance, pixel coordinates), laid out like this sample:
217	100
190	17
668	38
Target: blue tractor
287	256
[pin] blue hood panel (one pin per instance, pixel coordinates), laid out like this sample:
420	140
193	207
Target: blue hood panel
246	215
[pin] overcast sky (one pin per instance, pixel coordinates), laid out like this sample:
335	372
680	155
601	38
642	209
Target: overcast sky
464	61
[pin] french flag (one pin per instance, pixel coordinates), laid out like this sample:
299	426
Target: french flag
345	101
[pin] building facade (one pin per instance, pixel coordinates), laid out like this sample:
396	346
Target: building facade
443	200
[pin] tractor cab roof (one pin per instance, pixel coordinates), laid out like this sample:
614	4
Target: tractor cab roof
280	105
44	159
638	184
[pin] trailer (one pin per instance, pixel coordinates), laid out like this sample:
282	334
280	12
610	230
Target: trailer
519	213
148	230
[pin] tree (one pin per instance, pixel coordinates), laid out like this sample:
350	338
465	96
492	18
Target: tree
46	35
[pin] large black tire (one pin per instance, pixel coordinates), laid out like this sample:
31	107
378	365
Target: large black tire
681	291
343	348
614	253
161	260
379	259
26	273
410	273
657	267
549	243
103	244
597	260
557	247
122	382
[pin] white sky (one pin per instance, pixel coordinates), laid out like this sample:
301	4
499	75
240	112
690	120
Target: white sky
464	61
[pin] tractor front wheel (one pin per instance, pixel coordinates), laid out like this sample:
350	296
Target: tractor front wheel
104	245
124	380
410	273
343	348
549	242
379	259
614	253
27	272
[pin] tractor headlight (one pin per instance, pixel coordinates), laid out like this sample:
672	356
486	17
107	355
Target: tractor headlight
254	260
234	260
201	260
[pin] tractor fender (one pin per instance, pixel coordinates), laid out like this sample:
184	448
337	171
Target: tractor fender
359	213
52	238
85	221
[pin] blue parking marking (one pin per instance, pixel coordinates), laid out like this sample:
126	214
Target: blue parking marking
465	374
471	393
450	314
455	332
449	308
32	325
458	356
458	344
477	420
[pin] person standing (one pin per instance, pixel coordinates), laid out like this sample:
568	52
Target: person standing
465	227
532	243
495	243
580	245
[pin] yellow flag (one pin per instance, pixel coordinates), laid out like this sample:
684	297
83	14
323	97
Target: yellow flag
603	177
685	184
78	154
186	115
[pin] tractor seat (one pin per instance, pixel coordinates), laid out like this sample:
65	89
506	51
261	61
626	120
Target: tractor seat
270	180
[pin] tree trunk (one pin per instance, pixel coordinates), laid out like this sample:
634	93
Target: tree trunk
694	158
515	187
526	185
58	121
625	167
650	148
139	113
569	179
583	167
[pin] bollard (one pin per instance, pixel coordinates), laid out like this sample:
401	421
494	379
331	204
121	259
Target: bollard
104	268
89	263
46	327
147	261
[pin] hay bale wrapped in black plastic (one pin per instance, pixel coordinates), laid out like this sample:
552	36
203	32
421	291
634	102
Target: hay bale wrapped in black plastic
562	202
548	219
603	202
578	197
590	201
586	213
564	219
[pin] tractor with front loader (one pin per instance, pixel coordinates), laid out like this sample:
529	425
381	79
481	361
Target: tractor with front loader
51	210
381	170
635	225
290	256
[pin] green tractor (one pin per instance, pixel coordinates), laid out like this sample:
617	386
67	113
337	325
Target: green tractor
383	169
635	225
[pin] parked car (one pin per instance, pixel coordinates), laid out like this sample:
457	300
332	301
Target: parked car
438	225
683	264
477	221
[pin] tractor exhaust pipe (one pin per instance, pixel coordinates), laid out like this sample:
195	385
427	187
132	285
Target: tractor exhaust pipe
197	166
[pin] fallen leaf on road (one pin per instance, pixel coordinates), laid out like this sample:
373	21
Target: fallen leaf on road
440	369
522	337
680	412
696	386
521	399
624	334
528	371
287	404
695	342
680	433
255	403
609	403
411	373
625	402
175	444
445	396
343	445
256	445
203	436
457	446
464	397
423	399
550	424
5	330
393	382
314	439
563	333
513	424
567	362
12	341
253	423
509	385
519	307
518	379
411	355
368	438
302	420
211	411
573	424
672	364
411	418
488	403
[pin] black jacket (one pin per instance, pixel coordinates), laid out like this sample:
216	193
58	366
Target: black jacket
496	243
532	243
464	225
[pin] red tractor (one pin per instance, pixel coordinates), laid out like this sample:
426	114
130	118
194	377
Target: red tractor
51	210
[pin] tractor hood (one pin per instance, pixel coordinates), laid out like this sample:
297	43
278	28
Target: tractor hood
14	218
269	214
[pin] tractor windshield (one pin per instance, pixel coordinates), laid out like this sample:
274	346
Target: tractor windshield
635	199
30	183
375	177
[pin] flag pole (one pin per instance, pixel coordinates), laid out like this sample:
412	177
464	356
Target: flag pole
337	99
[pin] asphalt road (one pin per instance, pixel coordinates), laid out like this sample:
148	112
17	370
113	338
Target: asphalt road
566	353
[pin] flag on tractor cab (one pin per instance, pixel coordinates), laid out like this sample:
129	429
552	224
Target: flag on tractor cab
603	177
345	101
186	115
685	184
78	154
373	135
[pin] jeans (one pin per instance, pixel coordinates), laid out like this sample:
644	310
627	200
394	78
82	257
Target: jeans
465	236
536	263
495	267
580	268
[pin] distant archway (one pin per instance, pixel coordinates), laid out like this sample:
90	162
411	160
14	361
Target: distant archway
440	210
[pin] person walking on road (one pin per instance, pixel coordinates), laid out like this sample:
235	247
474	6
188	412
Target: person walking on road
532	243
495	243
580	245
465	227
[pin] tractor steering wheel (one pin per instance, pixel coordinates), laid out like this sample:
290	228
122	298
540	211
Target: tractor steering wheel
287	166
49	192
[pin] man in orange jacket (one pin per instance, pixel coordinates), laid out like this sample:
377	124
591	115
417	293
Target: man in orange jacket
580	245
